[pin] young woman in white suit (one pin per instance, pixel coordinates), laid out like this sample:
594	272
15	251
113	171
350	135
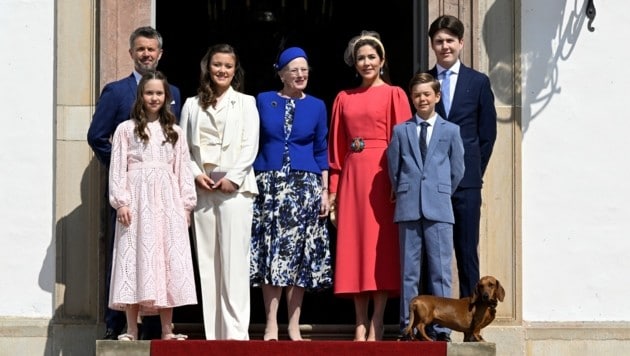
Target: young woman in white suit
222	127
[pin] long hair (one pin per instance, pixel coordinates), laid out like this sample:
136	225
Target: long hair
165	115
207	88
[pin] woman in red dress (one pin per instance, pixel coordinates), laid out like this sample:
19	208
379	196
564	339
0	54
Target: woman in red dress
367	256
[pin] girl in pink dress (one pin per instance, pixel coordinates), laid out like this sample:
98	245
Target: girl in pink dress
367	262
152	189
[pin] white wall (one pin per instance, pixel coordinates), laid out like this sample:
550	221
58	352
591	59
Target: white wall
26	157
576	162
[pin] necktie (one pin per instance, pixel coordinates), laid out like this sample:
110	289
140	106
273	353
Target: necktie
446	91
423	139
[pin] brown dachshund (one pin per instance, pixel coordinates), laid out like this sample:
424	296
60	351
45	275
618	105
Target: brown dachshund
468	315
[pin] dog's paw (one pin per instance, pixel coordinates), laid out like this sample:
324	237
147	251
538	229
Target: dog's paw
473	338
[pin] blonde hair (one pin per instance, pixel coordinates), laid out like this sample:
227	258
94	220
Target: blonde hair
371	38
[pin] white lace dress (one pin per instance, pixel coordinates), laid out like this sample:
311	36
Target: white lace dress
152	263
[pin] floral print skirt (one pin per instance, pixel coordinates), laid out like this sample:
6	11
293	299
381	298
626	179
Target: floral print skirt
290	244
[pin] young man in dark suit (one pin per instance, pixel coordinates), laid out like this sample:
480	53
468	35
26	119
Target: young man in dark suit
473	110
113	107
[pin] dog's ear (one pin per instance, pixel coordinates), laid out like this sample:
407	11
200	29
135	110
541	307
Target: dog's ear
475	296
499	292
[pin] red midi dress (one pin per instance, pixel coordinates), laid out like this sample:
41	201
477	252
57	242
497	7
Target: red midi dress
367	254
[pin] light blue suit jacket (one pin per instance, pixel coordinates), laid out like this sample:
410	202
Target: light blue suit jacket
424	190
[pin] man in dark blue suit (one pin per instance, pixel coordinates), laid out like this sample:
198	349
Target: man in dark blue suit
470	104
113	107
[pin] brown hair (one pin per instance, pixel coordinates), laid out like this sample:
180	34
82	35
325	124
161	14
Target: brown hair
422	78
165	116
449	23
369	38
207	90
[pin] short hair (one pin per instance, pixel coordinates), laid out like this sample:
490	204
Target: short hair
145	31
422	78
449	23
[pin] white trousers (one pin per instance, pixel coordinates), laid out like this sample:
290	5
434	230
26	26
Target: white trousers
222	235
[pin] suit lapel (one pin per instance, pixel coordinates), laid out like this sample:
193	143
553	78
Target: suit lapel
414	142
229	126
132	86
463	78
436	134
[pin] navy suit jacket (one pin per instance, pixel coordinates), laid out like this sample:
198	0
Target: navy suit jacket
472	109
424	190
308	147
113	107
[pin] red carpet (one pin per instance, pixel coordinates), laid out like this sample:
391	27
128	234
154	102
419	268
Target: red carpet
304	348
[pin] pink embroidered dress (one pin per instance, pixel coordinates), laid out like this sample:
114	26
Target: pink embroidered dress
152	263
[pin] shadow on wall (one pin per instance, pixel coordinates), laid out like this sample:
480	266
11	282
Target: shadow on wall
71	259
553	40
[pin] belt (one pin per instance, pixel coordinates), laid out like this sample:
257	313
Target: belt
143	165
358	144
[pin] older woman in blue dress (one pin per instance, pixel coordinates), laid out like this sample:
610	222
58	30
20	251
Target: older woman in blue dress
290	245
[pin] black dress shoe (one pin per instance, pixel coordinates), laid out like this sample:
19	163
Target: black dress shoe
443	337
110	334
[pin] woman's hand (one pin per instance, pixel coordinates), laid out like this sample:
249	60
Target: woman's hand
123	215
188	218
392	196
332	201
203	182
225	185
324	208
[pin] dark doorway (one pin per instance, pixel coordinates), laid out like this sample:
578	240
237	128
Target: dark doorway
258	29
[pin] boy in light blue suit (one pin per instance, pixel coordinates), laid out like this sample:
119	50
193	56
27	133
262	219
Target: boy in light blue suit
426	162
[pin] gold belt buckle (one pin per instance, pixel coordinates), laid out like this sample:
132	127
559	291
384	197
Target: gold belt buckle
357	144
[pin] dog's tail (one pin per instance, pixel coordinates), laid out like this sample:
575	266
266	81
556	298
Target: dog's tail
412	316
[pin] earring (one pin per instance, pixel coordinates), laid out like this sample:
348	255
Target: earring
356	75
382	71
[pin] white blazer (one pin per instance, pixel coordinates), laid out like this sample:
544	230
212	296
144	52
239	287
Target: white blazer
239	147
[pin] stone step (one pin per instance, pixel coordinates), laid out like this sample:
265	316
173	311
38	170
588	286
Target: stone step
313	332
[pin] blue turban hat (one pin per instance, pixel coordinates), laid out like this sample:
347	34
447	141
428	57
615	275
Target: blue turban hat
288	55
